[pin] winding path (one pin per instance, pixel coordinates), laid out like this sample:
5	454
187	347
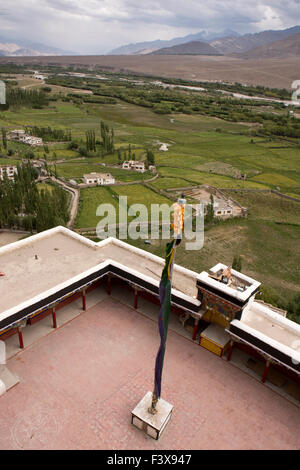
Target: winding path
75	195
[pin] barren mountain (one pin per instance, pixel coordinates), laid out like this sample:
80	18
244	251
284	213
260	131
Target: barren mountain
144	47
190	48
233	45
283	48
24	48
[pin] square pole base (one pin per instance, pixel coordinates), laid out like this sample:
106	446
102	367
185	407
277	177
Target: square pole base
152	425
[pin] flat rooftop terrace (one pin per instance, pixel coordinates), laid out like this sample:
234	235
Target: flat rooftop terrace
276	327
79	384
44	261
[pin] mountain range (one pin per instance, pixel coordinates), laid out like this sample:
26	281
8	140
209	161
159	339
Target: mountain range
284	48
150	46
189	48
15	48
272	43
225	43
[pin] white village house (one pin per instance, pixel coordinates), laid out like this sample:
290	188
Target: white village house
20	136
10	170
134	165
99	178
152	168
31	140
163	148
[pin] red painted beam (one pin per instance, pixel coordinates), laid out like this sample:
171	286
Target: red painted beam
54	318
83	301
230	351
195	330
136	299
265	372
21	338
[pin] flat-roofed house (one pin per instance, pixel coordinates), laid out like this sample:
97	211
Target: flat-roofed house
152	168
223	210
15	134
126	165
138	166
134	165
36	141
31	140
99	179
9	170
21	136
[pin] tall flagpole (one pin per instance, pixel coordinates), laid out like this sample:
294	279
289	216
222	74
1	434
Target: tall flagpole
165	289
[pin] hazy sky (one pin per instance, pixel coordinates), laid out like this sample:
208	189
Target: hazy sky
97	26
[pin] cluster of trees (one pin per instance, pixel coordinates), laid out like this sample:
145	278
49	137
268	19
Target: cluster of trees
251	90
83	98
28	98
4	138
127	155
12	68
22	205
90	141
107	136
209	216
166	101
49	134
150	157
283	127
106	144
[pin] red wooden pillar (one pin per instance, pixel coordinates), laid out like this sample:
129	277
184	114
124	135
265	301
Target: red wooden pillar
195	328
83	300
109	284
136	294
230	350
21	338
54	318
265	371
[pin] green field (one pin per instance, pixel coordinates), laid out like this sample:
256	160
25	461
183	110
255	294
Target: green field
200	177
78	169
91	198
202	150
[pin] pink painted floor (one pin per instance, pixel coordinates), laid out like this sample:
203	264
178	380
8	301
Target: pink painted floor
79	384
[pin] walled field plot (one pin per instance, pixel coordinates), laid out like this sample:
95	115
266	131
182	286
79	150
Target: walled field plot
139	194
200	177
275	179
269	207
91	198
166	182
78	169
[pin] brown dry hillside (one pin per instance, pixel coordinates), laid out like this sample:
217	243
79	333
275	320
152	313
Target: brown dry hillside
247	42
283	48
278	73
189	48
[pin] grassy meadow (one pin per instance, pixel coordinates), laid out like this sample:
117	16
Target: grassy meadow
202	150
